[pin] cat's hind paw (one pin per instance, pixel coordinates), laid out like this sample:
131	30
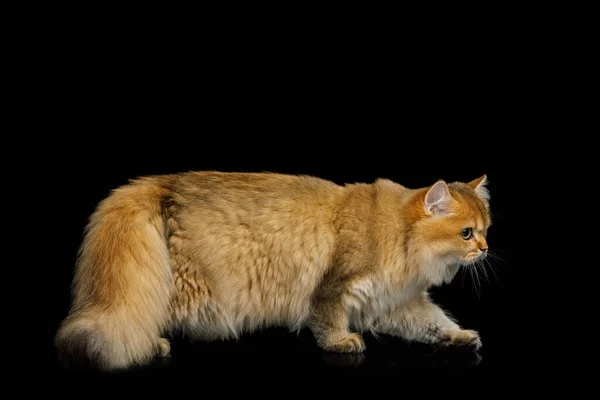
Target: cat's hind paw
351	343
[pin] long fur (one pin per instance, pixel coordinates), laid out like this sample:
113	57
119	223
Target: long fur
214	255
123	282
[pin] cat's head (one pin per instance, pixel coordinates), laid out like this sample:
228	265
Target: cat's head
453	221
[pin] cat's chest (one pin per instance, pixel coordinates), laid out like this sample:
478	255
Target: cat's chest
379	297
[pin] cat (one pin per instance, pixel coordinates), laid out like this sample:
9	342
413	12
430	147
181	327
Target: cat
215	254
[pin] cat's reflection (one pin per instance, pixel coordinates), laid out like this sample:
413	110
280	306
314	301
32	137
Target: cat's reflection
345	360
435	359
453	359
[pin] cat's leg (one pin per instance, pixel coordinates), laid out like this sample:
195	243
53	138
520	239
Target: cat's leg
422	321
329	320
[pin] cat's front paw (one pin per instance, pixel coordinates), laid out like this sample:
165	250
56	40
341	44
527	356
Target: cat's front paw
462	338
351	343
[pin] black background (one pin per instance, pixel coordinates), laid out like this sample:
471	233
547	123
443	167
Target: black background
113	105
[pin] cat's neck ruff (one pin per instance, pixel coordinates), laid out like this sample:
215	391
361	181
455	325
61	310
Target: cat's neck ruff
435	272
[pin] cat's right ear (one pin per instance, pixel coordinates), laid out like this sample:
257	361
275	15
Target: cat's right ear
479	186
438	199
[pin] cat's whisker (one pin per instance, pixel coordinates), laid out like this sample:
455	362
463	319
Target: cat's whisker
473	278
482	266
501	250
492	269
462	281
495	256
499	261
478	278
497	216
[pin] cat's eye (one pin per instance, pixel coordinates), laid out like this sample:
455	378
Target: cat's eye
466	233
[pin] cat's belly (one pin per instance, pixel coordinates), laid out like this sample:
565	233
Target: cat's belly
239	280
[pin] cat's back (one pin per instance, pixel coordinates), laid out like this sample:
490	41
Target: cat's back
262	208
257	188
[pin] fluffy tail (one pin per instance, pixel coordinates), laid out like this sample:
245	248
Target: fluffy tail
123	282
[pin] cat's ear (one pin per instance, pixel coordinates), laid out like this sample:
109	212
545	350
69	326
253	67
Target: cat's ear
438	199
479	186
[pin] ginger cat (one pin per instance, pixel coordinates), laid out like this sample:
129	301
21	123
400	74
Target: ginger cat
214	255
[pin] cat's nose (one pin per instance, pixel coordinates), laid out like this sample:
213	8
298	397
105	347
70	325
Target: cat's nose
483	249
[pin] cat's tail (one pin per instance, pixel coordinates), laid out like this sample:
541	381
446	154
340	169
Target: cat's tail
123	282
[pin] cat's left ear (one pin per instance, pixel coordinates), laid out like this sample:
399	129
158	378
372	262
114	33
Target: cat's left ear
479	186
438	199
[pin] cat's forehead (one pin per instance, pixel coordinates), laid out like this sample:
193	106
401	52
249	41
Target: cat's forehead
471	205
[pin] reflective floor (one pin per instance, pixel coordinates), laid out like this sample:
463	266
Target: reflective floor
277	350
